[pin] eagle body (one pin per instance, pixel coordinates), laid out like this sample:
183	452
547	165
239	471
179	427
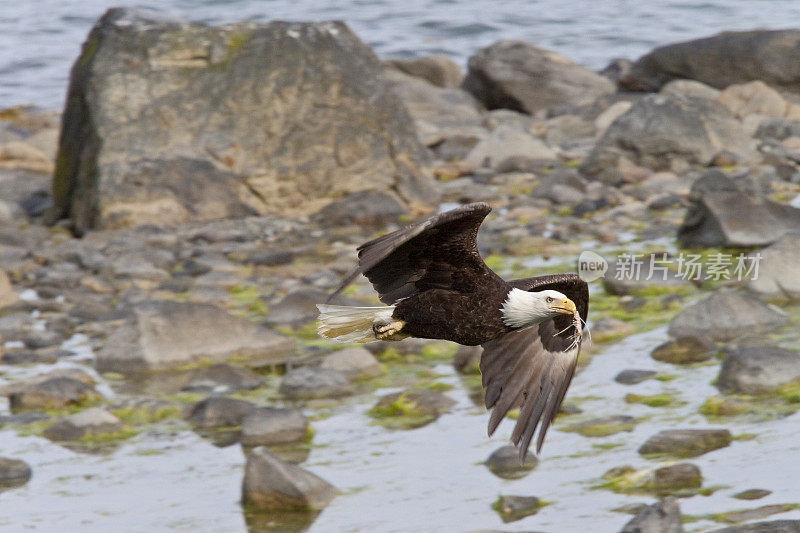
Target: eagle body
437	286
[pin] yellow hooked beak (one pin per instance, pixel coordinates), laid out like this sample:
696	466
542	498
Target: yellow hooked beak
565	306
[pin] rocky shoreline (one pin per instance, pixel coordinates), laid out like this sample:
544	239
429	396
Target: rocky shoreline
160	257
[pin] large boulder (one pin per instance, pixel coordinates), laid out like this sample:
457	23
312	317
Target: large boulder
725	315
659	129
524	77
168	121
757	369
271	484
723	214
721	60
161	334
779	269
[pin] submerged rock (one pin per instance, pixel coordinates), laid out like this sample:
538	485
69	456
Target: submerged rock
354	363
13	472
223	379
725	315
722	214
273	425
752	494
758	369
504	463
686	442
773	526
91	422
160	334
684	350
721	60
603	426
779	269
411	408
524	77
217	412
661	517
242	135
633	376
272	484
513	508
660	129
310	382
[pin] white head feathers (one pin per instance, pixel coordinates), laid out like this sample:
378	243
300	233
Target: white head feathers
523	309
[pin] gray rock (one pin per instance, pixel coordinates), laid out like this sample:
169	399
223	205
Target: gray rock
778	129
223	379
53	393
7	294
758	369
513	508
164	334
217	412
436	69
673	478
725	315
354	363
273	425
722	60
43	339
523	77
661	129
603	426
634	376
371	209
774	526
691	89
779	270
13	472
722	214
504	462
752	494
242	136
661	517
423	407
93	421
686	442
507	142
684	350
271	484
314	382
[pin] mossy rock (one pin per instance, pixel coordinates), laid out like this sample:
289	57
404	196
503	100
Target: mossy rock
411	408
603	427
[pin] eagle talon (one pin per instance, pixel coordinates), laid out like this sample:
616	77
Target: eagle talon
389	331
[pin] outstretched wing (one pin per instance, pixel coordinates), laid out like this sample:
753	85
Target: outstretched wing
438	252
532	368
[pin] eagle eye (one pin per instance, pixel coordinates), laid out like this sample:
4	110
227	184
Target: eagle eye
549	299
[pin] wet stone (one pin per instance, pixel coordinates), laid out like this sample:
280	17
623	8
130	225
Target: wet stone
661	517
467	359
773	526
685	350
504	463
217	412
686	442
94	421
354	363
411	408
13	472
754	369
273	425
42	339
308	382
752	494
270	483
54	393
677	477
603	426
513	508
633	376
223	378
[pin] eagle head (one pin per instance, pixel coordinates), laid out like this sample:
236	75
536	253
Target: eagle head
523	309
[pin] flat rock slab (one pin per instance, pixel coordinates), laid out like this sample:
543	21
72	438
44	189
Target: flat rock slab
94	421
758	369
273	425
686	442
13	472
354	363
310	382
271	484
163	334
218	412
249	118
725	315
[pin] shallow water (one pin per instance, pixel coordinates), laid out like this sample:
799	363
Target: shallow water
39	39
427	479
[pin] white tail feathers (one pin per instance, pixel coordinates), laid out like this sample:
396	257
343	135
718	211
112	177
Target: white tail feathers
351	324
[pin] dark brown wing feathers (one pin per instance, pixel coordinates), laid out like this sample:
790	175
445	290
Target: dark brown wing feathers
427	255
530	368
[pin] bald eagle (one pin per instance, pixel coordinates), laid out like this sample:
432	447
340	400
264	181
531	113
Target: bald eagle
437	287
